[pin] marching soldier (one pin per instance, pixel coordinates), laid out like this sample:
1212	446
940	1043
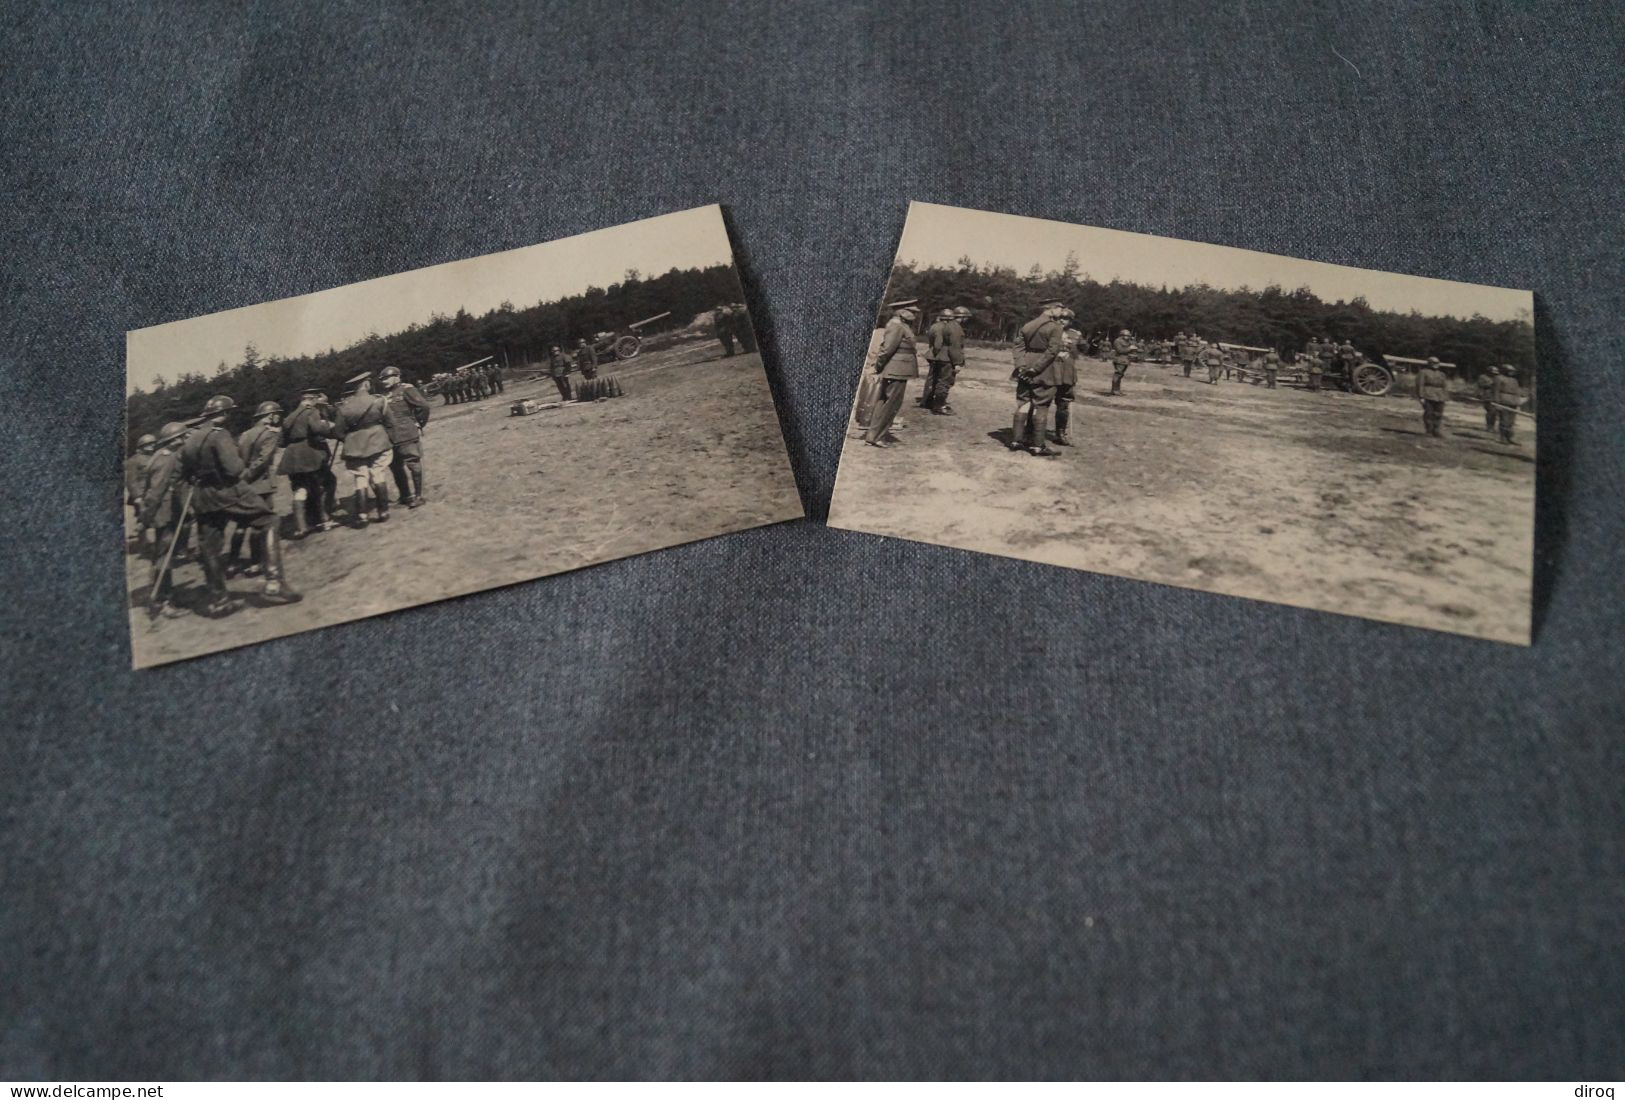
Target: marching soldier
1508	400
406	413
558	368
1433	390
213	466
367	451
1066	378
895	364
587	358
1212	357
722	325
160	514
257	448
1123	349
307	461
135	470
1041	343
1486	396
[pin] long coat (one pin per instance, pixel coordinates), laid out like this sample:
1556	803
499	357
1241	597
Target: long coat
361	426
895	359
303	440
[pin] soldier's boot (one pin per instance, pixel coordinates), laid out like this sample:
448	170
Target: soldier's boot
276	588
1063	421
256	554
221	602
324	522
300	527
381	493
1018	429
234	556
1040	446
358	507
417	489
1117	382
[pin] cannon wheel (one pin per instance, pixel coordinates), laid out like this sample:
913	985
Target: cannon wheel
627	346
1372	380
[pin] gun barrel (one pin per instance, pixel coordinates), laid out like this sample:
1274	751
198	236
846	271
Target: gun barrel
650	320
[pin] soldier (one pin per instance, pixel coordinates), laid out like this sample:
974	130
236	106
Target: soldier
307	461
1066	377
1313	366
934	348
367	452
943	360
1213	359
135	470
1326	352
895	364
160	515
1123	349
743	330
1486	396
1041	342
1508	400
1433	390
476	383
257	448
1272	367
558	368
496	378
1348	357
587	359
722	326
1186	347
406	412
213	466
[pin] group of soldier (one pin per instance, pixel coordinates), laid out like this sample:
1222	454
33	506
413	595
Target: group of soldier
474	382
731	324
1045	374
196	475
559	365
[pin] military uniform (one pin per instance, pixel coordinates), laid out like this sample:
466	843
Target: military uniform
1508	398
1433	389
895	364
496	379
257	448
1122	352
1185	347
367	451
1486	397
161	514
1213	359
135	474
1272	367
1066	381
1313	366
1042	341
722	325
587	361
405	414
944	358
307	462
558	368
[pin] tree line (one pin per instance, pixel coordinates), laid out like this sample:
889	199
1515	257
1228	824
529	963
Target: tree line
443	342
1001	300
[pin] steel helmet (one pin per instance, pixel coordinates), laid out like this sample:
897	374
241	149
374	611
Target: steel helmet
266	408
147	438
219	403
963	313
171	431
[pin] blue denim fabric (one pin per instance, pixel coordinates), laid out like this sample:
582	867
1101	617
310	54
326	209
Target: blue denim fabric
799	802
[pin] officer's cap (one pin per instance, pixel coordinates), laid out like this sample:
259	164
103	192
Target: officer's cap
1051	303
903	303
312	391
352	383
389	372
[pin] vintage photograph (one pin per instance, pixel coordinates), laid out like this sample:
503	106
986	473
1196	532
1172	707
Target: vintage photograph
323	458
1328	437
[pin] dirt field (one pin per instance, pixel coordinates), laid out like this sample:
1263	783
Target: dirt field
1330	500
694	449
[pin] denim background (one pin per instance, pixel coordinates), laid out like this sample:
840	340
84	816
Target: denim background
801	802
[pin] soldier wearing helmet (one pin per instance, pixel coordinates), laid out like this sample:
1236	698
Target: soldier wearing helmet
1123	349
558	368
161	521
1509	398
406	414
1272	367
742	328
213	466
1433	390
587	358
307	461
367	450
944	357
1066	378
722	326
135	470
257	445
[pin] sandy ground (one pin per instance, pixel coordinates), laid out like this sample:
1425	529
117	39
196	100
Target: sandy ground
692	450
1331	501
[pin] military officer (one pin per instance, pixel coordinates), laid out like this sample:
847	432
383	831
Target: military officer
1486	395
742	328
1433	390
1066	377
160	514
1040	343
406	415
895	364
1123	349
307	461
722	326
367	450
257	448
1508	400
135	470
213	466
558	368
586	359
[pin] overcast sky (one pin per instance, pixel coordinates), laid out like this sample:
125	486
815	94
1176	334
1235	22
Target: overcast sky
336	318
940	235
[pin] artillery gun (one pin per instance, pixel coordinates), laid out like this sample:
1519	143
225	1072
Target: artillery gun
1243	369
1399	363
626	343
